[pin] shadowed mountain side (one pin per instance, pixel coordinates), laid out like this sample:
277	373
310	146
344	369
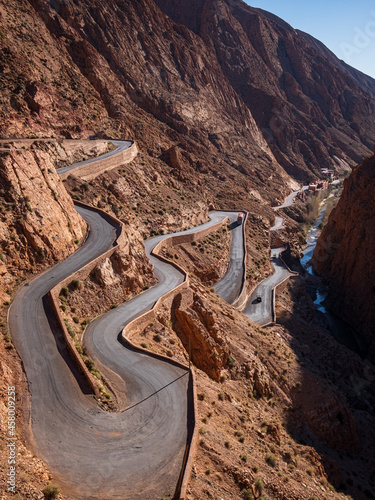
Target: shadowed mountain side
344	249
309	105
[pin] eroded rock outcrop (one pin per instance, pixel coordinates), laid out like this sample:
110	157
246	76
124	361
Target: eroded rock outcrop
114	278
199	327
308	104
38	222
344	253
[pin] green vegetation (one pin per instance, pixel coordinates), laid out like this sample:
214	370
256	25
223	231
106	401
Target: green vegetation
259	485
75	285
64	292
71	331
271	459
91	368
50	492
248	494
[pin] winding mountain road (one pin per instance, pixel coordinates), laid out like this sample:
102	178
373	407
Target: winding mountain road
262	312
136	453
120	146
230	286
133	454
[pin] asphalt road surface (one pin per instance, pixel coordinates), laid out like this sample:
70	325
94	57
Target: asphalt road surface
120	146
279	222
289	199
229	287
136	453
261	312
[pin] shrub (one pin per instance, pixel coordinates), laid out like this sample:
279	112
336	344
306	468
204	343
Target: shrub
90	364
64	292
248	494
259	485
96	373
71	332
231	361
79	348
50	492
271	459
75	284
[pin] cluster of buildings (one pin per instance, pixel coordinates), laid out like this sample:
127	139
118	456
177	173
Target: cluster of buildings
330	176
314	187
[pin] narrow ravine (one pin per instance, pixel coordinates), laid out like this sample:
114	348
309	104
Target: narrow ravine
340	330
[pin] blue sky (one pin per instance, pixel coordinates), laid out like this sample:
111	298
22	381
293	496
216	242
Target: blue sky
346	28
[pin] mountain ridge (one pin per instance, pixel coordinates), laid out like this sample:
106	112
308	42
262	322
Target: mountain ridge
300	100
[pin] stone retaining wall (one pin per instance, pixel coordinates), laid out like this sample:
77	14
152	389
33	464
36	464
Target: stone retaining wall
82	274
91	170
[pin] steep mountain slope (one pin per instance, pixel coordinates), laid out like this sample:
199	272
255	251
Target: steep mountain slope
38	223
344	253
125	69
309	108
219	88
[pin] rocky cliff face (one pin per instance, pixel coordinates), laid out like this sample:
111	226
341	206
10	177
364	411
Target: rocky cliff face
236	92
308	105
344	252
125	69
38	222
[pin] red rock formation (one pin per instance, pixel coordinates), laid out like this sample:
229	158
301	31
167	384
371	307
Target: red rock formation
308	104
126	69
198	325
38	223
344	253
